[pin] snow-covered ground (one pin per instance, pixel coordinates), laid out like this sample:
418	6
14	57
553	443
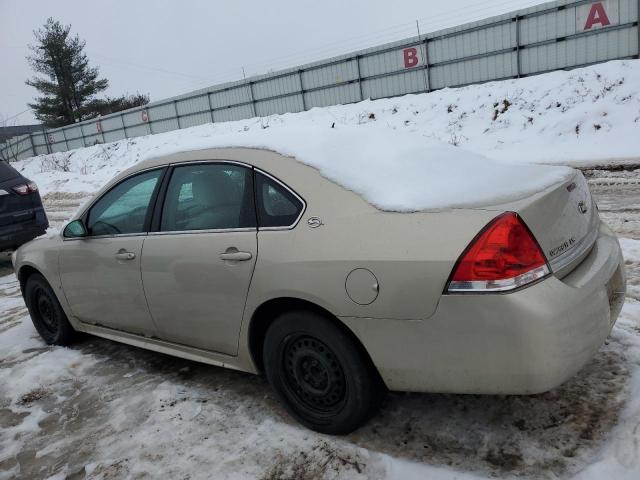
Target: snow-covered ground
102	410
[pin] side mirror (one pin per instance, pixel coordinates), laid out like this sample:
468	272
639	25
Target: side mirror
75	229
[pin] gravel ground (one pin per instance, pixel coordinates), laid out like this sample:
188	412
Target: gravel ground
103	410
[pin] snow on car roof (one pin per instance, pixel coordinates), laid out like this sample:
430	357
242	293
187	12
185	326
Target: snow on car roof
390	169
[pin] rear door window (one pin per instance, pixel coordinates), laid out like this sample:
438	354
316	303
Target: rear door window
214	196
277	205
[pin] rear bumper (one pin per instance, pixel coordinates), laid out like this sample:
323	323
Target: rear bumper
16	234
525	342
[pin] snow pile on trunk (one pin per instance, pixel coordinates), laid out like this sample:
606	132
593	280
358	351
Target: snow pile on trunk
393	170
577	117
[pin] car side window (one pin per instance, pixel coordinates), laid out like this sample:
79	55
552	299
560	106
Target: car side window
124	208
210	196
277	206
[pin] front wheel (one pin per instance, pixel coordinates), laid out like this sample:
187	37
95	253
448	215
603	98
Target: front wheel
319	373
46	313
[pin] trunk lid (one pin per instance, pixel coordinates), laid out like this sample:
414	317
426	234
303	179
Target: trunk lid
565	221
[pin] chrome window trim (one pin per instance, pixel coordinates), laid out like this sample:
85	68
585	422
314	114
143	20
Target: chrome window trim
195	162
98	237
286	187
209	230
89	205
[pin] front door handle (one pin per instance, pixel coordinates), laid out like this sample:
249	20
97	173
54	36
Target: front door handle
236	256
122	255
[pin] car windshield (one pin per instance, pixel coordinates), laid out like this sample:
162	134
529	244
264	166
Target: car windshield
7	172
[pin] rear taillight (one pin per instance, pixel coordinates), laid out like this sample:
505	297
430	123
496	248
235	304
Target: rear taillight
25	188
503	256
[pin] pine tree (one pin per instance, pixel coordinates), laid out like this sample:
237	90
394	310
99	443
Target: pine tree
68	84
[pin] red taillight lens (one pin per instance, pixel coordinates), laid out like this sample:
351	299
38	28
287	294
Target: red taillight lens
504	256
21	189
26	188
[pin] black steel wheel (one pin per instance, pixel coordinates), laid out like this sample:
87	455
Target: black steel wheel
319	373
313	373
46	313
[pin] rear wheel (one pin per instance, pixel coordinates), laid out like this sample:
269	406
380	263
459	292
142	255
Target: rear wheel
46	313
318	372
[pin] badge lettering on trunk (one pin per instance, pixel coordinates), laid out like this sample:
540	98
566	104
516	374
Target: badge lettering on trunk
561	248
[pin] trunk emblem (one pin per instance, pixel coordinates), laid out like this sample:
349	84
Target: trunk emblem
582	207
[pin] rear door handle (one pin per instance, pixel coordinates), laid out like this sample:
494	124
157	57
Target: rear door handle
236	256
125	256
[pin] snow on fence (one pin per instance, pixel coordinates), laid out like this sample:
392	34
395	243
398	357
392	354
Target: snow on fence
557	35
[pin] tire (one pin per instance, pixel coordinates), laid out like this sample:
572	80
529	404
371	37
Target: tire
320	375
46	313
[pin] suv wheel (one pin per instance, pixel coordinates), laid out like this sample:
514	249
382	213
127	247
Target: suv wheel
46	313
319	373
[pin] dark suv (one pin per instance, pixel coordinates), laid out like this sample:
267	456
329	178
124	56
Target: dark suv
22	216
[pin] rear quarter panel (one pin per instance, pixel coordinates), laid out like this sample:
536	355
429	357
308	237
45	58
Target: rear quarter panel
410	254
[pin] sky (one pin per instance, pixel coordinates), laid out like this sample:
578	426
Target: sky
165	48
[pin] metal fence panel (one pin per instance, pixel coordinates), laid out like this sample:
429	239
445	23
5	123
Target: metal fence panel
192	105
339	95
390	86
114	136
475	70
139	130
160	112
476	42
133	118
233	113
554	35
392	60
290	103
331	74
161	126
231	96
276	87
581	50
549	26
195	119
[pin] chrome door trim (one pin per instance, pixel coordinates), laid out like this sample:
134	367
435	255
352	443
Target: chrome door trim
210	230
97	237
192	162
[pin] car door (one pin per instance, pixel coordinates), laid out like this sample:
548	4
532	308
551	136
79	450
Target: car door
100	273
197	268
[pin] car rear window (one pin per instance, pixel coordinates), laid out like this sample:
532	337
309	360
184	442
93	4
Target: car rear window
7	172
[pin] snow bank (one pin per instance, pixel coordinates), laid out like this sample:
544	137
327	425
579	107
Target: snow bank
588	115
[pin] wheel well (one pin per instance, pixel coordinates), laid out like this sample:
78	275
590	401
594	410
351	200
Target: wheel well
23	275
266	313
